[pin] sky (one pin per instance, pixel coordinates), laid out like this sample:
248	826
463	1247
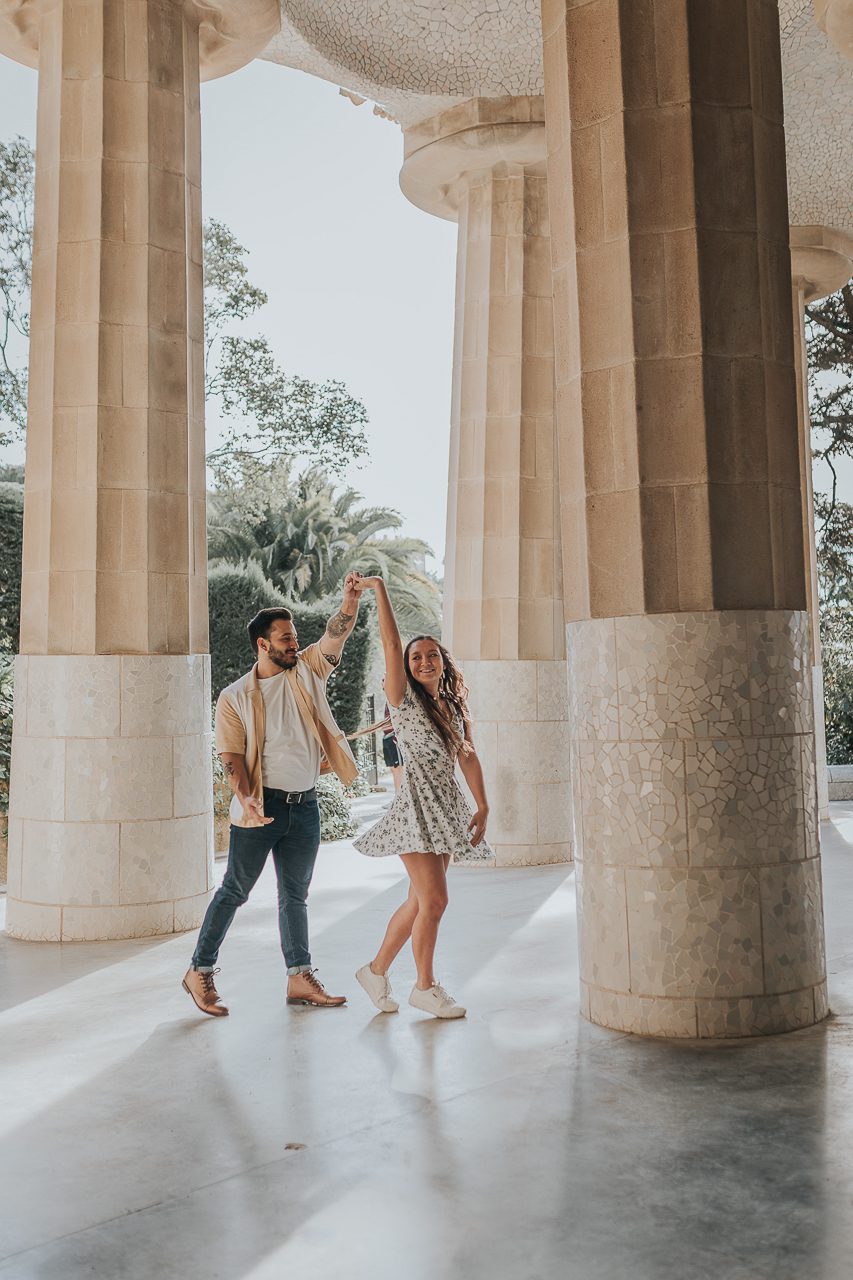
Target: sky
360	282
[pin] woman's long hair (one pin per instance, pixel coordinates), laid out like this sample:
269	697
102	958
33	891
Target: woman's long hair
453	690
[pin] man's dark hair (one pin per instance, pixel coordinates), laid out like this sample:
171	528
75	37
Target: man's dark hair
261	624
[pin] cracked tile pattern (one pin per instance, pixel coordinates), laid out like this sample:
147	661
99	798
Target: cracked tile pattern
635	807
696	821
110	796
746	801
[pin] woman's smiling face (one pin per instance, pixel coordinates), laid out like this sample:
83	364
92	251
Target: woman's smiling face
425	662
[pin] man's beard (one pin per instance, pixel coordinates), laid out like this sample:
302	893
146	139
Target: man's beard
281	659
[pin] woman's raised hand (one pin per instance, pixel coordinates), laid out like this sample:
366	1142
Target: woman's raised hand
367	584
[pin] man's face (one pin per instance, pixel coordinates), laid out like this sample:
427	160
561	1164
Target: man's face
282	646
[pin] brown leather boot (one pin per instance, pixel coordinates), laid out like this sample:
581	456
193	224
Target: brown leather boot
306	988
201	987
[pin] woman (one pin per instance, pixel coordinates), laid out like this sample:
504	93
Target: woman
429	821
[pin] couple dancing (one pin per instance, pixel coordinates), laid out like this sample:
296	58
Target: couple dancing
273	728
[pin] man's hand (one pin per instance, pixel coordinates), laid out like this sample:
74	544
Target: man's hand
252	813
351	593
366	584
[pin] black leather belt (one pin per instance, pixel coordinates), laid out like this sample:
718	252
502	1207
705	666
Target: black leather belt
290	797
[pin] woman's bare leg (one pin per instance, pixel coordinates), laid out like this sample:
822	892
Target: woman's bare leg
397	934
428	874
397	775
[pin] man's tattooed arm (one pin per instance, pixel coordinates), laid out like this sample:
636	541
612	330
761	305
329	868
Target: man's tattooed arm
340	625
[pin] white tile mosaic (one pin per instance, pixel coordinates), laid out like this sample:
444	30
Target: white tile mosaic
163	695
714	825
694	932
193	774
163	861
745	801
756	1015
658	1016
69	863
119	779
792	920
72	697
780	690
94	924
602	928
633	801
682	676
33	922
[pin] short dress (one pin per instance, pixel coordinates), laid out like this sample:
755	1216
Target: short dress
429	813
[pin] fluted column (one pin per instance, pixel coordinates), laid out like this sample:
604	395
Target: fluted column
110	827
821	262
699	892
483	164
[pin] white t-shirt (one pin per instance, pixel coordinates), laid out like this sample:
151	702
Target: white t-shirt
291	758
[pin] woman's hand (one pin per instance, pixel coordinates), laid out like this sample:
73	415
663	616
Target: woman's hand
367	584
477	825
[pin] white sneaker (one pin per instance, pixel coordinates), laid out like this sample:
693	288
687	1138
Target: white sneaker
435	1000
378	988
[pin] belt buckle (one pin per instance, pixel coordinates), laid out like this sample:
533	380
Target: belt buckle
294	797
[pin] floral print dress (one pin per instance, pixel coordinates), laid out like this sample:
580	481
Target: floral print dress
429	813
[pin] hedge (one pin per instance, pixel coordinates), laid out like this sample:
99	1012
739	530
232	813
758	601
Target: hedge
11	540
237	592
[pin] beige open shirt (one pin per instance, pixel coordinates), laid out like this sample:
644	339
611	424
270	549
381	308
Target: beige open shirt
241	723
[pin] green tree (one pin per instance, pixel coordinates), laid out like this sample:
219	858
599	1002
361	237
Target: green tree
829	332
17	184
266	413
306	534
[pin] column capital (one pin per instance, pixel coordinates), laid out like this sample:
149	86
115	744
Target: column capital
231	32
835	17
444	152
821	260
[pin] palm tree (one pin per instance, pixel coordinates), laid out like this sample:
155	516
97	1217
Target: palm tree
306	535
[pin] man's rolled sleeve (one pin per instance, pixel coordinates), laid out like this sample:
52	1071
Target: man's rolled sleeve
314	660
230	732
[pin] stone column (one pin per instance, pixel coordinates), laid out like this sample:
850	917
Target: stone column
483	164
699	890
835	17
110	827
821	262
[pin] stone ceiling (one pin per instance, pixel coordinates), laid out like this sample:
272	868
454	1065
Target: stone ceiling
416	57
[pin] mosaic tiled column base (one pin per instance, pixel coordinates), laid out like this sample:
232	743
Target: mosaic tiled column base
519	711
698	875
110	826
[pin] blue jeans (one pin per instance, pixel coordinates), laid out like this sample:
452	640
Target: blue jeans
294	837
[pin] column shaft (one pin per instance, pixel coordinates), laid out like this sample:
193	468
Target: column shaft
689	660
503	615
110	809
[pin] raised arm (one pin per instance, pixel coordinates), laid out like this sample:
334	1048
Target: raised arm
389	634
339	627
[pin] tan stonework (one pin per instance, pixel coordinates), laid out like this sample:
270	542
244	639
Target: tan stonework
691	713
482	164
110	807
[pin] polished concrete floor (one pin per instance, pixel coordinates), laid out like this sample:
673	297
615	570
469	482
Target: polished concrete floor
142	1141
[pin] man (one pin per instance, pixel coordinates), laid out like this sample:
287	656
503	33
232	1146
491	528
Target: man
273	727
